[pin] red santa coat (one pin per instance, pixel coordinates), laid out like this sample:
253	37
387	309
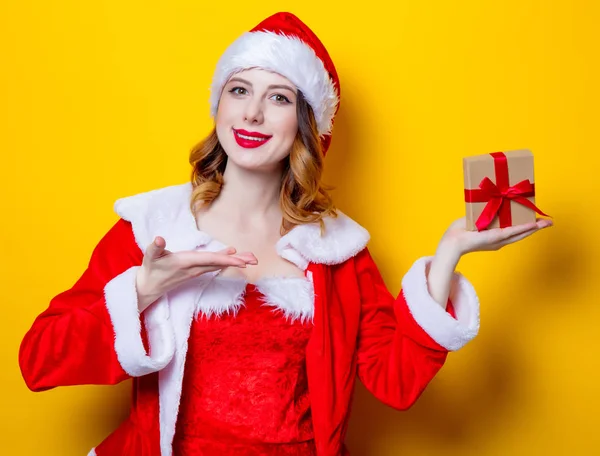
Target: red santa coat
94	334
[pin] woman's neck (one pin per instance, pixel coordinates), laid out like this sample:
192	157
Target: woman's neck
248	196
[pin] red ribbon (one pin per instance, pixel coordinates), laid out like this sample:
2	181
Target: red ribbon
499	195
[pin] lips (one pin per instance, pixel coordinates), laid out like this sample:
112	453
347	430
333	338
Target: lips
250	139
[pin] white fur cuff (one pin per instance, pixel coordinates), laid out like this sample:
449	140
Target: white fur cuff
447	331
121	301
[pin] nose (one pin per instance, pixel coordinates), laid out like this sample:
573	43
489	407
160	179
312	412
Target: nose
253	112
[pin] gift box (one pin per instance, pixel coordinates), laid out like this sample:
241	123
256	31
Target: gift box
499	190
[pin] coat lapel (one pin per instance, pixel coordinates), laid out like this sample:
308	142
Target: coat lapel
330	361
182	303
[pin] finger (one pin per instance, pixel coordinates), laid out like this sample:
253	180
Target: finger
518	237
199	270
243	259
498	235
227	251
195	259
518	229
249	257
544	223
156	248
526	227
460	223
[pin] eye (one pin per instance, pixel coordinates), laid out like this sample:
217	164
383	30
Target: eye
281	98
238	91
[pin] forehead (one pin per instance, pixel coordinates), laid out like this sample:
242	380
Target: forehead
261	76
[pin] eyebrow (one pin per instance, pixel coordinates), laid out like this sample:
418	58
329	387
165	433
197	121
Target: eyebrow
272	86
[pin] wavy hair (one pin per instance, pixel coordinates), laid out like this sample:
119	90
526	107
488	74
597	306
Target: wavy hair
304	198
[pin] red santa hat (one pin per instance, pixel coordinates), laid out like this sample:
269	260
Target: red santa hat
284	44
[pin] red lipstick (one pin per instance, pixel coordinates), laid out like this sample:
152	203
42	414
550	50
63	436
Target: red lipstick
250	139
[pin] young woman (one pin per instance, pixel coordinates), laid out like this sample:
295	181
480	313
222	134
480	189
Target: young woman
243	304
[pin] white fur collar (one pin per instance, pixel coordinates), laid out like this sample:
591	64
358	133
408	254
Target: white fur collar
165	212
293	297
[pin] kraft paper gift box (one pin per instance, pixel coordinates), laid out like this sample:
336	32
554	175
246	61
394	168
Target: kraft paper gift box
499	190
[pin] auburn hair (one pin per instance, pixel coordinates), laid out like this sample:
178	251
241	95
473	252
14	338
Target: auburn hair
304	198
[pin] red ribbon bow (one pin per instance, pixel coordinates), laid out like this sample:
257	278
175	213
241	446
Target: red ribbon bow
498	196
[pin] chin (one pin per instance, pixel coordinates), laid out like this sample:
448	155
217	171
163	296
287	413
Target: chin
244	160
256	166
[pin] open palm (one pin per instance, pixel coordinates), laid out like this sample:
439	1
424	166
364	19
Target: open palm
491	239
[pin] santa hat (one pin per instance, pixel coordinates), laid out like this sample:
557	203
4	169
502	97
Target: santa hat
284	44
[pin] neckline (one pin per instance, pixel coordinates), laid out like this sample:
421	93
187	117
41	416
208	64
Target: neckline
168	211
220	245
279	245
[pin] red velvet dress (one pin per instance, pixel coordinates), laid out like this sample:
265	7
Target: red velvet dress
245	388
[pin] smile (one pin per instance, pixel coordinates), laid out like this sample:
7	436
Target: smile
249	141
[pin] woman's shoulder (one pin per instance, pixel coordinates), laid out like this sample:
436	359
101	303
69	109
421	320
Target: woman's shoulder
342	239
162	212
172	196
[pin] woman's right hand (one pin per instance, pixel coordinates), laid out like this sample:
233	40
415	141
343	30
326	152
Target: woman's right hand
162	270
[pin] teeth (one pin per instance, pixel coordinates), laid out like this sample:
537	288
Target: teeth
251	138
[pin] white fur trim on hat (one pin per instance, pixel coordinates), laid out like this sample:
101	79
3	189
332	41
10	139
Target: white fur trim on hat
287	55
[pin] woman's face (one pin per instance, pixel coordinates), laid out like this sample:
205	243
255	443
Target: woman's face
256	120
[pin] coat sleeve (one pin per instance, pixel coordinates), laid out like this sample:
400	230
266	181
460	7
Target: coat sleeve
93	333
403	342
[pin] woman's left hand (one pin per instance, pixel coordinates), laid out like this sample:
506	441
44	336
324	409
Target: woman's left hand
457	237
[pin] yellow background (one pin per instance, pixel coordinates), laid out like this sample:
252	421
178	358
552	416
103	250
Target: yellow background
104	99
